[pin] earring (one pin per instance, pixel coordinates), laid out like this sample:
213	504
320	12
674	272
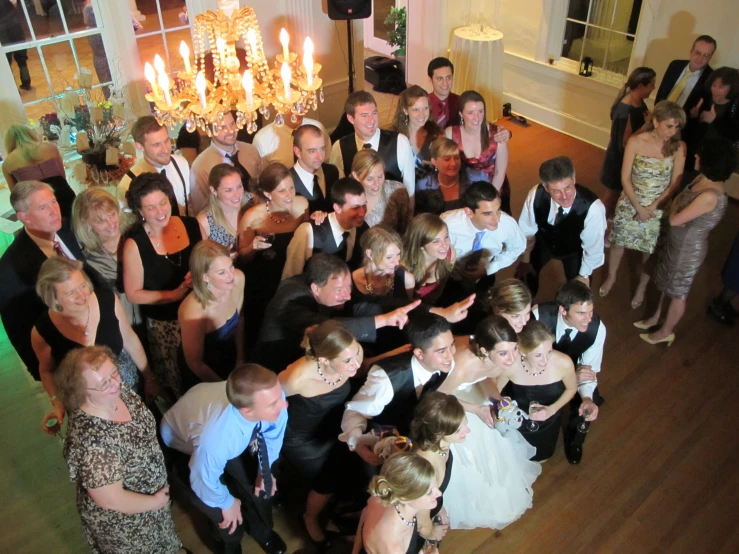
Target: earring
461	120
58	308
207	285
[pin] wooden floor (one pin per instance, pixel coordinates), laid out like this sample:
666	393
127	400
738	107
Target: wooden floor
659	472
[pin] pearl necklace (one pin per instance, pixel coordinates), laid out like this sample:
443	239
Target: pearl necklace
87	324
408	523
273	218
324	377
523	363
454	184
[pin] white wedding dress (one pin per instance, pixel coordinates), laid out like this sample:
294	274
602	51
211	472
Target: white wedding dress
491	479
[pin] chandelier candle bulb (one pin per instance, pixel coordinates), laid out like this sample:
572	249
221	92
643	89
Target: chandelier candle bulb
159	64
251	38
151	76
248	83
185	53
286	77
308	60
200	87
285	40
164	85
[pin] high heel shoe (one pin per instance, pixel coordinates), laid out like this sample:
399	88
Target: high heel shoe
641	325
669	339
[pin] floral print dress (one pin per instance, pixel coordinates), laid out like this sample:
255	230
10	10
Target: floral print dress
99	453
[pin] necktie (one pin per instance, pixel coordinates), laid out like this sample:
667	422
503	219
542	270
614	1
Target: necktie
342	252
58	250
564	343
677	90
442	116
262	457
317	192
560	215
367	146
245	177
477	244
434	383
163	172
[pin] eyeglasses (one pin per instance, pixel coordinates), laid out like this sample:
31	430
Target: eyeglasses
704	56
105	386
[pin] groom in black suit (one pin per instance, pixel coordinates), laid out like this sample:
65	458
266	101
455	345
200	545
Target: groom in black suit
685	83
312	177
42	237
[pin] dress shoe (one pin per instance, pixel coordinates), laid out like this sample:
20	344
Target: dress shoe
274	544
641	324
573	453
720	314
669	339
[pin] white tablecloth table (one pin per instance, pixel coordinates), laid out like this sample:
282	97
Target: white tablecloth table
478	65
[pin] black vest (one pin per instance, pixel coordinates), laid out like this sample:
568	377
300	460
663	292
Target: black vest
582	341
323	241
388	151
315	201
564	239
399	412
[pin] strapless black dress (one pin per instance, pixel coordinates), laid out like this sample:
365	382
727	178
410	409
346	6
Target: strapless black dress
543	439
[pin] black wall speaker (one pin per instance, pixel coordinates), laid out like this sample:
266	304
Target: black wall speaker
349	9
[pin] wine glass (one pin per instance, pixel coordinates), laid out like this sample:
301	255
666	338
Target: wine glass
583	425
534	407
269	238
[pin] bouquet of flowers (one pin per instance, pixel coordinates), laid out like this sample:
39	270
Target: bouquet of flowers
51	126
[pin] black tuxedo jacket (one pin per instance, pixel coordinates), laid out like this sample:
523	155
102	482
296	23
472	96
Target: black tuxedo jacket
20	306
672	74
331	175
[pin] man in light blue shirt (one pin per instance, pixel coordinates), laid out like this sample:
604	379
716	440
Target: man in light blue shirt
231	430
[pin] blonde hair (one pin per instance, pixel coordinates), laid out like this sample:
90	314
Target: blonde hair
71	387
55	271
326	340
204	253
508	297
405	476
436	416
442	146
89	203
423	229
377	240
532	335
662	112
25	138
365	161
217	174
245	382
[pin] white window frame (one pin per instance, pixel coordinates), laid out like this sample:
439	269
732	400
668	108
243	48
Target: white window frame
549	48
166	54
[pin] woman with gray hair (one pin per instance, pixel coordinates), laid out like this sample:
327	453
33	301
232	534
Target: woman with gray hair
210	316
114	458
78	317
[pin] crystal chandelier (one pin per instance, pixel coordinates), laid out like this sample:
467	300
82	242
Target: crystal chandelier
290	87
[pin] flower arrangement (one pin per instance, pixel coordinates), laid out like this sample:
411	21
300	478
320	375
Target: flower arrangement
50	125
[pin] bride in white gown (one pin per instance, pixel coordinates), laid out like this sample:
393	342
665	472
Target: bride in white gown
491	479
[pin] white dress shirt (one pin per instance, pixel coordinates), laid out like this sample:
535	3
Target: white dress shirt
47	246
300	248
593	356
181	185
689	86
500	248
275	143
370	400
592	236
307	178
406	158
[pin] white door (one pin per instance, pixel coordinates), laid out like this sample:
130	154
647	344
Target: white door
375	31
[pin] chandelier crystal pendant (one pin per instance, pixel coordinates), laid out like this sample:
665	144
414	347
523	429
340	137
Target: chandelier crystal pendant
290	87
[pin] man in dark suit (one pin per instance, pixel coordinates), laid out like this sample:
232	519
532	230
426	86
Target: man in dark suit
42	237
339	233
685	83
312	177
321	293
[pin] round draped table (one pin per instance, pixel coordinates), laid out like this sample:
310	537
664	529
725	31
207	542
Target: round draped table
478	65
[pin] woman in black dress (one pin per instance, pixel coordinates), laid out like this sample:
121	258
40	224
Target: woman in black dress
628	115
389	524
210	317
439	422
265	230
156	262
317	387
544	376
77	317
